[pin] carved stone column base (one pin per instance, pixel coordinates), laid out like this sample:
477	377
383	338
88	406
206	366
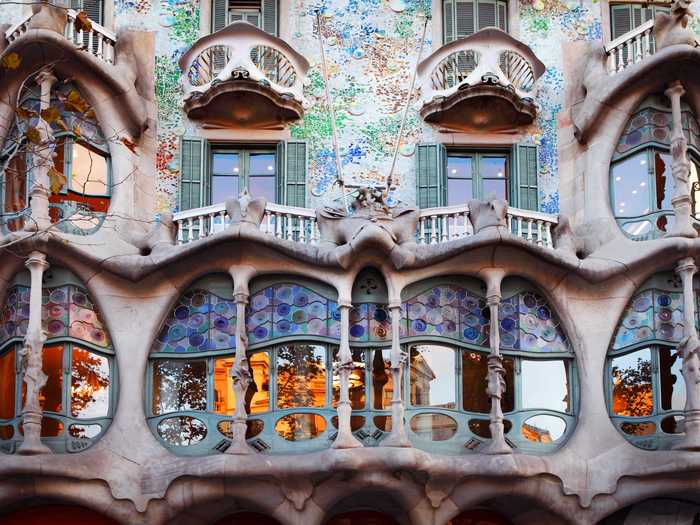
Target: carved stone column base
682	225
397	437
345	438
691	441
32	445
239	446
497	446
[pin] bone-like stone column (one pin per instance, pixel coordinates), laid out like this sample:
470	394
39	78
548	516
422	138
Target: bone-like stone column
495	378
32	360
345	438
42	159
397	437
688	348
240	371
680	168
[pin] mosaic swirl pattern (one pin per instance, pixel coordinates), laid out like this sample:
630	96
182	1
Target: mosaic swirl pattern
285	310
15	314
370	323
651	315
529	324
652	125
448	311
200	322
69	311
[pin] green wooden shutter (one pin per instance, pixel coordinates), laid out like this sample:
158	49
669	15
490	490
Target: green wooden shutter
269	16
219	15
502	15
430	186
486	13
464	18
292	180
620	20
524	185
448	26
192	162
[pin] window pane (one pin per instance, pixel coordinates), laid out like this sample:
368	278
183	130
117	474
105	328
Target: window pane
257	396
459	191
263	164
224	397
630	179
357	380
493	188
225	163
474	374
694	182
433	376
179	385
89	384
7	385
631	376
492	167
16	183
51	396
672	382
223	189
382	383
459	167
301	376
262	187
545	385
88	171
664	180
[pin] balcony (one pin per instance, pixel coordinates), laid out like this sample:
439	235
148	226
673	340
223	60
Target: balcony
484	82
242	77
435	225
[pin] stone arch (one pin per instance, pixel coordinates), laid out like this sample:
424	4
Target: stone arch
57	514
375	507
657	511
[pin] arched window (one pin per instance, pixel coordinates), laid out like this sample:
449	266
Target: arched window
78	360
446	333
81	175
644	385
641	184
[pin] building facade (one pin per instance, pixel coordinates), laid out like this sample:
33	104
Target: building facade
350	262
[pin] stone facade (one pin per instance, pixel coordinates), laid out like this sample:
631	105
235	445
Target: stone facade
368	345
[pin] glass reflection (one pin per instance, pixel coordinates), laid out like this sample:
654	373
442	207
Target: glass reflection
632	391
301	376
51	395
88	171
84	431
224	397
257	398
638	429
182	431
7	385
356	380
474	372
459	180
673	424
300	427
50	427
89	384
6	431
382	383
433	376
434	427
672	382
179	384
493	175
543	428
631	186
383	423
664	180
545	384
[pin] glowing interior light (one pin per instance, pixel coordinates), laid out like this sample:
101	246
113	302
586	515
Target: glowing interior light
500	174
642	184
634	192
270	168
622	204
235	170
454	171
618	179
643	162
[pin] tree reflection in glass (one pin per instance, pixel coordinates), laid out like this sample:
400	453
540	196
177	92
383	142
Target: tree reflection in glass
632	391
7	385
89	384
51	395
179	384
382	384
182	430
433	376
672	382
474	372
545	384
356	380
301	376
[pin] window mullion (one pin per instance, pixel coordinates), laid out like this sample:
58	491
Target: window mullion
210	384
476	176
655	385
66	364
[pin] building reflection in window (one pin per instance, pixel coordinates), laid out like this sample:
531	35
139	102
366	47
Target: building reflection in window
179	385
357	385
632	393
382	383
433	376
301	376
545	384
89	384
474	372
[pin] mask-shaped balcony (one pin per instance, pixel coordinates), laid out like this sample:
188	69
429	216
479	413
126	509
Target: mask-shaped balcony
484	82
243	77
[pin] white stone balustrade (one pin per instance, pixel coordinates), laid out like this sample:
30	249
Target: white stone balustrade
435	225
241	50
490	56
98	41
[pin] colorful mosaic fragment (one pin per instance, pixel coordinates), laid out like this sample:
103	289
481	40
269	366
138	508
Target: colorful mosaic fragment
370	322
539	329
652	125
285	310
651	315
15	314
200	322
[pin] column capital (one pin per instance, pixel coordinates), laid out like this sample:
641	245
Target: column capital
46	75
36	260
675	89
344	303
393	306
686	265
241	297
493	299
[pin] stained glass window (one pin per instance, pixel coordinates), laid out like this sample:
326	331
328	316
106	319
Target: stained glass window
200	322
15	314
68	311
285	310
651	315
528	323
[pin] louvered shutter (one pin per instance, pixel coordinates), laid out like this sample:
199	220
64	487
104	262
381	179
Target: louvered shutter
502	16
269	16
620	20
448	26
486	14
464	18
525	180
430	186
295	174
219	15
191	173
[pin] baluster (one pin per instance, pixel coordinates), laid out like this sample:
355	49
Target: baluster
202	227
520	226
302	230
421	238
548	234
638	48
443	223
190	229
180	233
69	30
90	40
620	61
433	229
278	225
630	51
212	216
100	44
647	42
314	231
509	222
288	220
268	224
529	230
540	240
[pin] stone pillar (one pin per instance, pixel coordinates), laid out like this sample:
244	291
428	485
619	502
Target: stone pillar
345	438
32	360
397	437
688	348
495	377
680	168
240	373
42	159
